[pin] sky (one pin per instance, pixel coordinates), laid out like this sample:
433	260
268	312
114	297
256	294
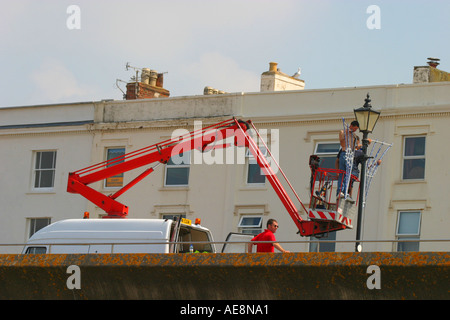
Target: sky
58	51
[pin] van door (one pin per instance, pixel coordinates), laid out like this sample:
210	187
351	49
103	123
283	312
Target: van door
100	248
240	245
175	229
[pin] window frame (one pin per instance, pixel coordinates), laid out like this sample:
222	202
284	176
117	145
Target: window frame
404	246
122	175
253	228
37	153
414	157
397	231
183	165
327	154
32	228
251	161
317	246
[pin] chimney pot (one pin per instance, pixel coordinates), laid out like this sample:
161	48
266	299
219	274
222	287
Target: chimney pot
145	75
273	66
153	77
207	90
433	62
160	80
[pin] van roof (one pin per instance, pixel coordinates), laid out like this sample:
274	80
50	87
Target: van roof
96	229
110	224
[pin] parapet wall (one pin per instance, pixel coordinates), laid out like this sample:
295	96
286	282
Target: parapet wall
413	275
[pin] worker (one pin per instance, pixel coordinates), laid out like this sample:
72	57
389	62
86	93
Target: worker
347	140
267	235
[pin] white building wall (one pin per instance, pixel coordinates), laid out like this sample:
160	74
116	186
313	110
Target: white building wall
20	200
218	194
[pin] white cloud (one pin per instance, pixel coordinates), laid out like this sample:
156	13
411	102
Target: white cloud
54	82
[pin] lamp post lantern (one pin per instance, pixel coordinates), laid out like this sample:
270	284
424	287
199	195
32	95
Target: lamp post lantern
367	118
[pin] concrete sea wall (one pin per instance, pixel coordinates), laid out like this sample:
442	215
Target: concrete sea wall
379	275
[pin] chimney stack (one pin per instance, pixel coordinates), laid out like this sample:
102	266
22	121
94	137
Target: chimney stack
210	90
275	80
150	86
430	73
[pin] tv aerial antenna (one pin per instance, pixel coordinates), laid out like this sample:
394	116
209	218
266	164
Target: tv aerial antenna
136	69
117	86
133	78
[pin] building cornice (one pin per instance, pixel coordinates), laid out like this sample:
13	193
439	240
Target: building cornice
332	118
55	131
188	123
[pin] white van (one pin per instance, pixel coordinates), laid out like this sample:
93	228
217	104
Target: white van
121	236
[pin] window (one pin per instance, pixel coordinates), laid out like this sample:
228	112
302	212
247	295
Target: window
323	246
327	152
36	250
199	239
44	169
254	172
250	224
408	228
177	170
173	216
37	224
117	180
414	158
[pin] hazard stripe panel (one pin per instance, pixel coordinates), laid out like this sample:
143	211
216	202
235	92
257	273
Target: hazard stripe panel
330	215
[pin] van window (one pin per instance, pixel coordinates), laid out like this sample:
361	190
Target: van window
36	250
188	235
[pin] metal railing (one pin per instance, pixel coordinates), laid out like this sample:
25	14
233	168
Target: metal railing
243	243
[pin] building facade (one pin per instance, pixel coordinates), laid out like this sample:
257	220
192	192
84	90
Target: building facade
40	145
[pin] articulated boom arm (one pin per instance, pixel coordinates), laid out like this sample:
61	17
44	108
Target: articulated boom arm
203	140
158	153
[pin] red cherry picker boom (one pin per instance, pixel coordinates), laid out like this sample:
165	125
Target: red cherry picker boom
205	139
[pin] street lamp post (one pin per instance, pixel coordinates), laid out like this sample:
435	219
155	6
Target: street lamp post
367	118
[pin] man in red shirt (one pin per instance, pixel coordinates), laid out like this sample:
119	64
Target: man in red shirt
267	235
